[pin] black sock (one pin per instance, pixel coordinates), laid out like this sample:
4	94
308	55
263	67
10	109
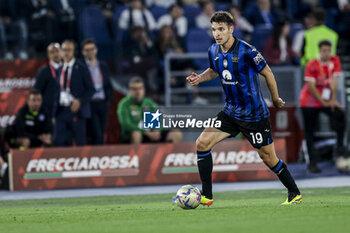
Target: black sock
285	177
205	168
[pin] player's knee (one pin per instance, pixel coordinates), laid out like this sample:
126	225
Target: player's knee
202	145
264	155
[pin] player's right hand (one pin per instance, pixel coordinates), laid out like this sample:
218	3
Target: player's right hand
278	103
193	79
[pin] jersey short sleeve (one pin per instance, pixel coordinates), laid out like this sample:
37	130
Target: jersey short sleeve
337	67
257	61
211	62
310	72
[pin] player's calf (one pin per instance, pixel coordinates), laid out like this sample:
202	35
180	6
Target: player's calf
205	168
268	155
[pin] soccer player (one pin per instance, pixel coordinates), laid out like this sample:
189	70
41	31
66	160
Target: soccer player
238	65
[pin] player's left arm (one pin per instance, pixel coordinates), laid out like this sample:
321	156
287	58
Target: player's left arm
272	85
334	83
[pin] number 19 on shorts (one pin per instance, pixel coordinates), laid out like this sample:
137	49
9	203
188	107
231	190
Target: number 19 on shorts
256	138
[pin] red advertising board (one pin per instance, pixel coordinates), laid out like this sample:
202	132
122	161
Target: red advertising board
285	124
125	165
16	78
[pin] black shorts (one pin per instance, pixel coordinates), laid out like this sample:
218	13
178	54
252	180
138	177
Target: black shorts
258	133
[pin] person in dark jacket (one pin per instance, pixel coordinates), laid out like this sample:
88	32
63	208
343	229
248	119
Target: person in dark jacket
72	103
45	80
33	127
101	99
264	14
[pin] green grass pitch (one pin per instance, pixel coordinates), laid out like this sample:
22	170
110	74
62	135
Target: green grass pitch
322	210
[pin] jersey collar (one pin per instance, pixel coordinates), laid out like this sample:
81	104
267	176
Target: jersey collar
232	47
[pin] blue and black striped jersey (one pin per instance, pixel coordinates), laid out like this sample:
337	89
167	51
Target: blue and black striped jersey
238	70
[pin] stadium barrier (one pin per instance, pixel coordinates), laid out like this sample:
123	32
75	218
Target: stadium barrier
126	165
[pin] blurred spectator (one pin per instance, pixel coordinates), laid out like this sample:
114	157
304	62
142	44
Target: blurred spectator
319	32
344	7
277	49
72	104
311	3
10	26
40	17
319	95
298	40
130	114
299	9
203	19
45	80
240	22
66	15
107	8
263	13
190	2
176	20
137	15
166	43
139	45
33	126
162	3
101	99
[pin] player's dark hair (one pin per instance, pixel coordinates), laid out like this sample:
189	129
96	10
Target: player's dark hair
135	79
324	43
320	15
87	41
222	17
34	92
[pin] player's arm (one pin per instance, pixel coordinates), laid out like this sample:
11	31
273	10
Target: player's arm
208	75
271	84
334	84
312	88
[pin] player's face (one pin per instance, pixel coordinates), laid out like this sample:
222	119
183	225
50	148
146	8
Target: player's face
34	102
90	51
221	32
54	54
325	53
68	51
137	91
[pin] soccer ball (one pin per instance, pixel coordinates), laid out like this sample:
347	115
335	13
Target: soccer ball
343	164
188	197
